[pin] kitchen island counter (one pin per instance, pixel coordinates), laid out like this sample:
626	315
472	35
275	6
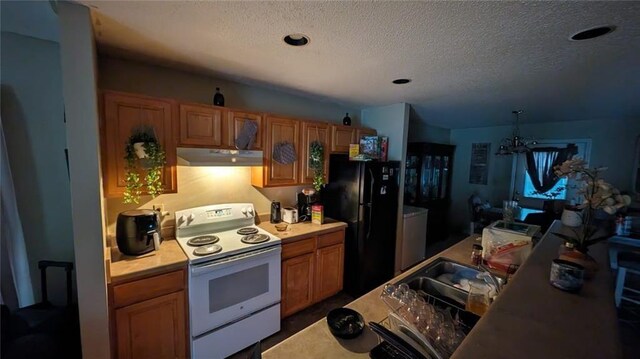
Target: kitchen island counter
529	319
124	267
302	229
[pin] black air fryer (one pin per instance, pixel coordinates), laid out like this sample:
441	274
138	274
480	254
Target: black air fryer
135	231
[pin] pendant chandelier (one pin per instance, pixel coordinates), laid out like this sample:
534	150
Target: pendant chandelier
515	144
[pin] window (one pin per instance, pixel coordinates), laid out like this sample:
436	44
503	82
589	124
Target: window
521	182
559	191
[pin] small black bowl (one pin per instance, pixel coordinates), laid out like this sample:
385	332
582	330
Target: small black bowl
345	323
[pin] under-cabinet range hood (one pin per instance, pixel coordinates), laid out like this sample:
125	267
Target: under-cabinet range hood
217	157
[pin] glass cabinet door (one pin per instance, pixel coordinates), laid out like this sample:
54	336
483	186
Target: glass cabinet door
445	176
427	174
411	179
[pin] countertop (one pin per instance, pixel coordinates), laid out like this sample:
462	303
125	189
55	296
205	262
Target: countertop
170	256
532	319
529	319
124	267
302	230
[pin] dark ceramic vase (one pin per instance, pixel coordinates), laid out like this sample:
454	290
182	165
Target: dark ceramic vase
346	120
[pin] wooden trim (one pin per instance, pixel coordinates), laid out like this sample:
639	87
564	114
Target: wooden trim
325	240
298	248
140	290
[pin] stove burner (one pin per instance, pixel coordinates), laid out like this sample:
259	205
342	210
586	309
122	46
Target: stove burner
202	241
247	230
255	238
207	249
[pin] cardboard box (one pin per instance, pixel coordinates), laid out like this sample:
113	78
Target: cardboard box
317	214
370	147
384	148
354	151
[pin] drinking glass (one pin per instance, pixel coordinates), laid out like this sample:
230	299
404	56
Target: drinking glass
510	209
478	300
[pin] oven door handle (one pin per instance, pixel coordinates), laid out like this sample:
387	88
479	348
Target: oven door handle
226	262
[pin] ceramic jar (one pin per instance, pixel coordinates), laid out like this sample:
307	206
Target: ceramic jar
571	218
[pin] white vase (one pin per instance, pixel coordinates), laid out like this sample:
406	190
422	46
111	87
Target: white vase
571	218
138	148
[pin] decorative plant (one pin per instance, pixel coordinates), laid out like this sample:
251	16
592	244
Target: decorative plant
597	194
152	160
316	163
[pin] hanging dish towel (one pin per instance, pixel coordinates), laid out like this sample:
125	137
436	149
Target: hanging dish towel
284	153
247	135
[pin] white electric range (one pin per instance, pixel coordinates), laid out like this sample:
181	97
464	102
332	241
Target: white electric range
234	278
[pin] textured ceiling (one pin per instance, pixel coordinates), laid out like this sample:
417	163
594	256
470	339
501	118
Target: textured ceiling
471	62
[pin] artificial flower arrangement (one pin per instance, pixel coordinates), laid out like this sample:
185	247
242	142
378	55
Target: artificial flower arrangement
597	195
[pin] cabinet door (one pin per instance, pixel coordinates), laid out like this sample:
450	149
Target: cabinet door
364	132
280	130
154	328
342	137
125	113
329	271
313	131
237	120
297	283
201	125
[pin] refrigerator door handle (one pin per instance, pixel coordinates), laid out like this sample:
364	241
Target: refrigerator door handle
368	205
373	182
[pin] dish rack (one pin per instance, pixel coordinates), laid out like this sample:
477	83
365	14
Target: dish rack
425	343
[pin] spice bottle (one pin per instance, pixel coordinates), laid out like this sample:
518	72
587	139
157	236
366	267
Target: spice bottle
476	255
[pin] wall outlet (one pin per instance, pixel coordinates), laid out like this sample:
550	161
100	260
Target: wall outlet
159	207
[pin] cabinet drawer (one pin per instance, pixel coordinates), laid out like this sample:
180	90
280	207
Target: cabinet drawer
297	248
147	288
328	239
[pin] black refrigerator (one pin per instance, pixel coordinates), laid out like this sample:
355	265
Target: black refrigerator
365	196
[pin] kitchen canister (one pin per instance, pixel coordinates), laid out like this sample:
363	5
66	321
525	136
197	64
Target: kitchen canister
276	216
571	218
567	276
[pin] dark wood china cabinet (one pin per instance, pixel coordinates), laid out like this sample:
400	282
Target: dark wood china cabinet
428	184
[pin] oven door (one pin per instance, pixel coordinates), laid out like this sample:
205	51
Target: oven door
230	289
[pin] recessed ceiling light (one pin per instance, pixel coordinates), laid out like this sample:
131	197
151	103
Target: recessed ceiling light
592	33
296	39
401	81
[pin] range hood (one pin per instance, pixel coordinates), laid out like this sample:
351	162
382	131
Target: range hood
216	157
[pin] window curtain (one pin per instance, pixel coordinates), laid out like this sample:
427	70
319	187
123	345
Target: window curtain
15	287
540	163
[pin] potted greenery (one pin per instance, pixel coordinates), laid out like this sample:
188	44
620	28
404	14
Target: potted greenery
316	163
143	153
597	195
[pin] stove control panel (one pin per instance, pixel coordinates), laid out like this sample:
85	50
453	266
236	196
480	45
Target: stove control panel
248	211
214	215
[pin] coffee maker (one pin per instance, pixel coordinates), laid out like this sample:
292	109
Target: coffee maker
304	206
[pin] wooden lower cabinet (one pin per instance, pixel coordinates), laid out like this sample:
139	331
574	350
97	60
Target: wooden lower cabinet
329	271
154	328
312	270
297	284
149	317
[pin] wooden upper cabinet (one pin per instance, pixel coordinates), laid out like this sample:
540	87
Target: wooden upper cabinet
236	122
124	114
201	125
278	131
364	132
342	137
313	131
